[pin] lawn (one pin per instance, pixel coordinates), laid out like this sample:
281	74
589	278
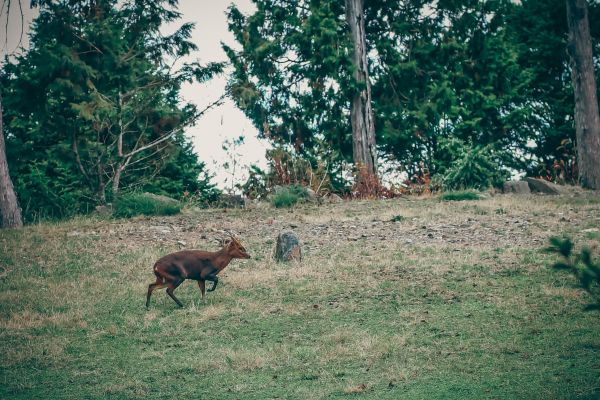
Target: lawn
406	298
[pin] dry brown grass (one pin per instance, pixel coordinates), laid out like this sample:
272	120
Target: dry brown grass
452	295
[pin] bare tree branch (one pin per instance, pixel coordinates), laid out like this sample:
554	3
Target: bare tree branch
88	42
157	151
78	158
22	24
174	131
6	25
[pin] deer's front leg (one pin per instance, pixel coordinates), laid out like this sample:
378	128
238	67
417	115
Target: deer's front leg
214	280
202	286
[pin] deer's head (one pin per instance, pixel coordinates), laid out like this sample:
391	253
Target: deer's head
235	249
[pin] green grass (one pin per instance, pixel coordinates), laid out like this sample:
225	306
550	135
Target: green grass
397	218
460	195
369	318
289	196
133	204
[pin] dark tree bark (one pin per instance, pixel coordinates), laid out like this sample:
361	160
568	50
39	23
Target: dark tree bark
363	126
9	207
587	121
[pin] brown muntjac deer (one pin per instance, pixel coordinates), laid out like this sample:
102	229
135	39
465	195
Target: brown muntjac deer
172	269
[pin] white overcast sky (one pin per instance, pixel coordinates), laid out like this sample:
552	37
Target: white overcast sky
219	124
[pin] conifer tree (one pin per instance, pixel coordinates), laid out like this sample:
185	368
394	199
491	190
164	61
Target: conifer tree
364	148
9	206
587	118
102	101
452	71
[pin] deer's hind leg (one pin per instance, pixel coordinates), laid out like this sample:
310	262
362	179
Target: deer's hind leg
171	286
159	284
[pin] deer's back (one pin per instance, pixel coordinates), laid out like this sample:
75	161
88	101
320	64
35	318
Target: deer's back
189	264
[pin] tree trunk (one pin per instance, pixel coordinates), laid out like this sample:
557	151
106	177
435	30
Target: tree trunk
363	126
116	182
587	121
9	207
101	185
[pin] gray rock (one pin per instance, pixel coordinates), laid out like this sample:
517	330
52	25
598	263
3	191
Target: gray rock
542	186
161	198
516	187
334	198
231	201
288	247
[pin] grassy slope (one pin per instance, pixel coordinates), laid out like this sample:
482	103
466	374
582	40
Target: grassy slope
455	300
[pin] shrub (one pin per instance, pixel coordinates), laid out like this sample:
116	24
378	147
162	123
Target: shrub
288	167
468	165
316	170
460	195
132	204
255	186
580	265
288	196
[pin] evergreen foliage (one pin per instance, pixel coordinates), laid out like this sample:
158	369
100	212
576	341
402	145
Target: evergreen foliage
492	74
292	74
464	93
460	195
540	31
134	204
182	174
93	106
469	165
581	265
289	196
255	186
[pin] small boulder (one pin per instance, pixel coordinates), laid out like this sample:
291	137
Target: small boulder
160	198
312	196
334	198
288	247
516	187
542	186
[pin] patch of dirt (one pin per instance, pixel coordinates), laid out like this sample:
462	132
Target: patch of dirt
498	222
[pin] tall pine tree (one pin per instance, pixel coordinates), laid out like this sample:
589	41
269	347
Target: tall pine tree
587	119
440	70
103	105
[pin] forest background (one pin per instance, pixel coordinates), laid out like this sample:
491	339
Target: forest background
464	94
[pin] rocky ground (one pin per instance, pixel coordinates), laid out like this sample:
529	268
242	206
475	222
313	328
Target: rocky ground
498	221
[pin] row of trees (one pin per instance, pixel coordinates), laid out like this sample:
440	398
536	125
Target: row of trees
462	90
451	83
